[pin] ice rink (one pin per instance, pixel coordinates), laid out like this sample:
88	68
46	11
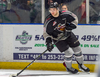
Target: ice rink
34	73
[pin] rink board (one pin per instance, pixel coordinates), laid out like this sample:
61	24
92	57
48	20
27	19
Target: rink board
23	43
41	66
33	44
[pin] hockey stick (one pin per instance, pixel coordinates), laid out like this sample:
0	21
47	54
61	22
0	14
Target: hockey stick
15	75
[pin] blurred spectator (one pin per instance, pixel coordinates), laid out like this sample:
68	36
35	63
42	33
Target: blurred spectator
38	7
64	7
47	3
94	11
33	11
82	12
21	11
22	4
3	5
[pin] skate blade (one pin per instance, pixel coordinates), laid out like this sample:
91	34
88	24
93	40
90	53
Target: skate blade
73	73
84	71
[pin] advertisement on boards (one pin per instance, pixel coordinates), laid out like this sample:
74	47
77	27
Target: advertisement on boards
29	43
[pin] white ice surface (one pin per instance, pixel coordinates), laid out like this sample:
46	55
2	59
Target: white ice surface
32	73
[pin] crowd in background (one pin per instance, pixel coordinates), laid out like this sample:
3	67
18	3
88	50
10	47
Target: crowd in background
30	11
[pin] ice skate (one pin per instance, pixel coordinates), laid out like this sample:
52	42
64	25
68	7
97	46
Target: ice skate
71	70
83	68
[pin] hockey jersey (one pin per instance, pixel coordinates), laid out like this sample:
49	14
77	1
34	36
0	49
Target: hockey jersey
55	26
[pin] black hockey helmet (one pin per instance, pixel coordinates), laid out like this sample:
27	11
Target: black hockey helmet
53	5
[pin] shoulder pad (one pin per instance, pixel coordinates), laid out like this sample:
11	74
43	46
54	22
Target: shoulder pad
48	18
69	13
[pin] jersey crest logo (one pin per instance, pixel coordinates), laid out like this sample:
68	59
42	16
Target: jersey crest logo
61	27
54	23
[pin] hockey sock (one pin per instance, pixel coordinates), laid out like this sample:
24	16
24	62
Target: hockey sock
68	62
78	54
68	58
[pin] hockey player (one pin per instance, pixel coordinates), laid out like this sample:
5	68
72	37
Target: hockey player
57	24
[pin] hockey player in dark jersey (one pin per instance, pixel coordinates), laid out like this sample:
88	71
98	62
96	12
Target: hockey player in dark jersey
57	24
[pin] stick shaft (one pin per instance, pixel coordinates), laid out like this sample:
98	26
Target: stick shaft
31	62
38	57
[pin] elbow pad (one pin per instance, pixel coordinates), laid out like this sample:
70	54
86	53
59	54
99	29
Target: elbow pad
70	26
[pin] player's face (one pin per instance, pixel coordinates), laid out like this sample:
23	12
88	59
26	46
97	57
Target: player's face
64	8
53	11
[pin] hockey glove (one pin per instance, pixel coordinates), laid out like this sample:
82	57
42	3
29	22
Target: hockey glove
49	47
49	44
67	33
70	26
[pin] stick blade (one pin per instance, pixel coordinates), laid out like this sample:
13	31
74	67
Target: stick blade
13	75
